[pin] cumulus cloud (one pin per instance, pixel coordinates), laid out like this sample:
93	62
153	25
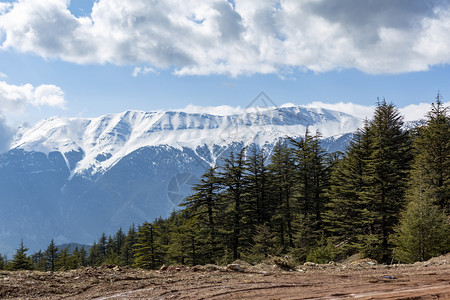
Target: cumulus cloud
14	98
142	71
236	37
3	75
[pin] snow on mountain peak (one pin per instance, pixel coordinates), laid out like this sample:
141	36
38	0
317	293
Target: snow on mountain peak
107	139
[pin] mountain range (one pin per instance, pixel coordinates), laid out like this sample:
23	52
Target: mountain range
71	179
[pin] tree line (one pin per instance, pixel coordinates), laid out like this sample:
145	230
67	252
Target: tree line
386	197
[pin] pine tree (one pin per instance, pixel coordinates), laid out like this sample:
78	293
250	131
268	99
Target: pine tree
257	186
51	255
282	181
145	253
348	217
423	232
388	166
21	261
187	245
3	262
95	258
119	241
126	256
76	258
102	245
432	160
112	256
263	244
312	173
39	261
235	183
204	206
82	257
64	259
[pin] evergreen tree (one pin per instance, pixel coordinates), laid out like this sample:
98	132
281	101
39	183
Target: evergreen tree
102	247
423	232
82	257
21	261
235	183
95	257
51	256
3	261
39	261
146	249
78	258
432	160
348	217
263	243
388	166
312	173
186	245
112	255
119	241
64	260
282	182
257	176
204	206
126	254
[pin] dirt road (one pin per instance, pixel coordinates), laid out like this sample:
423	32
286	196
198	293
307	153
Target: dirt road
430	280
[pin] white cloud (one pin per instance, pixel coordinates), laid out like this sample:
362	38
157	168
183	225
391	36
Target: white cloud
411	112
15	98
222	110
414	112
3	75
142	71
357	110
216	37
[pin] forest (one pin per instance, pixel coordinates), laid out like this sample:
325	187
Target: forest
386	197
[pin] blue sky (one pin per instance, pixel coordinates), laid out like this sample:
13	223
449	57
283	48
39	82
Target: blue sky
80	58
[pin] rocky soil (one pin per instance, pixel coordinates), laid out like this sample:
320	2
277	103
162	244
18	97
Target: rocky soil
274	279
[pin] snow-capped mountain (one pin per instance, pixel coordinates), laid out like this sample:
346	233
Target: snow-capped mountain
73	178
106	140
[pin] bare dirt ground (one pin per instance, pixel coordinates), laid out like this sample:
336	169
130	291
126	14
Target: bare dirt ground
359	279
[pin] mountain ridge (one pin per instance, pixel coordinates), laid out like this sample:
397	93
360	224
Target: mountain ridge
107	139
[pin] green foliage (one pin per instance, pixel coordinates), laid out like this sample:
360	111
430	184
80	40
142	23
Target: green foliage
263	244
21	261
431	166
39	261
51	256
126	253
323	253
146	250
64	261
3	262
348	217
423	232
